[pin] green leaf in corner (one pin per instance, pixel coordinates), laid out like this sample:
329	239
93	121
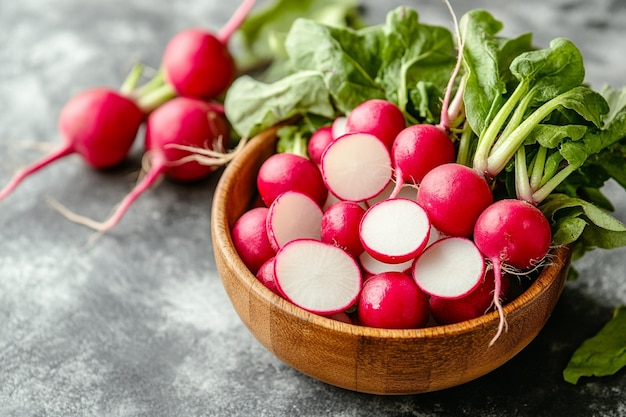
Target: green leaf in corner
603	354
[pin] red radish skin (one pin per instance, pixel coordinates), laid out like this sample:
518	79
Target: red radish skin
250	239
450	268
99	124
395	230
454	195
418	149
317	276
181	121
356	167
474	304
265	275
318	142
377	117
515	233
285	171
340	226
341	316
391	300
293	215
197	63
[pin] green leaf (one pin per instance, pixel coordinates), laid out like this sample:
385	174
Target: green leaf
253	106
551	136
603	354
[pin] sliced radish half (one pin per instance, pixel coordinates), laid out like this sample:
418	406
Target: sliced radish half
317	276
293	215
356	166
449	268
373	266
395	230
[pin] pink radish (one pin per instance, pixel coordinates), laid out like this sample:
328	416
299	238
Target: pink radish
454	195
318	142
338	127
285	171
341	316
377	117
474	304
197	63
265	275
391	300
249	234
99	124
449	268
515	233
356	166
416	150
340	226
395	230
182	122
293	215
317	276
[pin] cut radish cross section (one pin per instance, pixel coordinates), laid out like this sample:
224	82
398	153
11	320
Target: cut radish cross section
395	230
356	166
449	268
293	215
317	276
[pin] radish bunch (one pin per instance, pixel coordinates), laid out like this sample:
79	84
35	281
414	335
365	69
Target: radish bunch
393	233
186	132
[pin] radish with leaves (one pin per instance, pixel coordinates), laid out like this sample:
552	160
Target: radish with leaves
512	233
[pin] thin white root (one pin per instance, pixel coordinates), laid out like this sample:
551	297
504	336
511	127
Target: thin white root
74	217
206	156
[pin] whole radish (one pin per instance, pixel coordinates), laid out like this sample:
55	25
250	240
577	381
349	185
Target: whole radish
266	276
377	117
249	234
416	150
340	226
454	195
392	300
99	124
287	171
198	63
318	142
514	233
172	132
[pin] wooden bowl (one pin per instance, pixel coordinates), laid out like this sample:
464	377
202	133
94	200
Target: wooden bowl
358	358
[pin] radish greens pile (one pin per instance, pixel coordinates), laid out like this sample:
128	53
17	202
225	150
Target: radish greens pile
519	114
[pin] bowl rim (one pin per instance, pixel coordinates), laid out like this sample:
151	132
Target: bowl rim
559	258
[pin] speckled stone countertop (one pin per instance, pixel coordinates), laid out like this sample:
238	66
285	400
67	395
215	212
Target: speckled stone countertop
138	324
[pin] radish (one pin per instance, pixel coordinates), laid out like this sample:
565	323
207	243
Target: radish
197	63
416	150
287	171
449	268
249	234
395	230
317	276
373	266
184	122
515	233
472	305
340	226
293	215
318	142
99	124
356	166
338	127
391	300
377	117
454	195
265	275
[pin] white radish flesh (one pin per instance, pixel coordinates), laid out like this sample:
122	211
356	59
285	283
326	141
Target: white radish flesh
449	268
373	266
293	215
317	276
356	166
395	230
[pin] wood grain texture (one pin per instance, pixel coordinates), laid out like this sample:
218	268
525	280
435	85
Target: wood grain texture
358	358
